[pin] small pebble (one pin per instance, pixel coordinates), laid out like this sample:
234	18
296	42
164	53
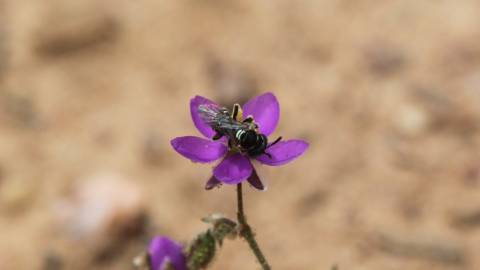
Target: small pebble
411	119
103	204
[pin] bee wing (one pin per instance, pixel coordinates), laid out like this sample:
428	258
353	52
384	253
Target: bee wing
218	117
211	113
229	123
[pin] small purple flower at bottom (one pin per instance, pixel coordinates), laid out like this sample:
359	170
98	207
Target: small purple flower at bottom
164	252
236	166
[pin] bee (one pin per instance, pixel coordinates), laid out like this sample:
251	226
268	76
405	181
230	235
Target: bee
243	135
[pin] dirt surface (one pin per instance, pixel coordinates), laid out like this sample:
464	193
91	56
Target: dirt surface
386	92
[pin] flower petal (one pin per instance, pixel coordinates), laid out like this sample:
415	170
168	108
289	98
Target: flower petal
212	182
204	128
283	152
233	169
265	110
198	149
163	250
255	181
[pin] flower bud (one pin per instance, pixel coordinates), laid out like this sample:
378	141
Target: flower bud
222	227
201	251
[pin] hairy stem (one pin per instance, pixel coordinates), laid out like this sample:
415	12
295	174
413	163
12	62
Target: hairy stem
247	233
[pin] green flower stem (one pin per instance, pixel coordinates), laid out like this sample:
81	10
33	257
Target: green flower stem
247	233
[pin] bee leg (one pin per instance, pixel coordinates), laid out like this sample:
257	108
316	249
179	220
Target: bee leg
275	142
237	112
249	119
272	144
217	136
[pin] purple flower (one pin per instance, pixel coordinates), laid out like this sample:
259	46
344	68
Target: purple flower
164	252
236	166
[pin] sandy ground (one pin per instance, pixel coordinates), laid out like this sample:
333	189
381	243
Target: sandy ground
386	92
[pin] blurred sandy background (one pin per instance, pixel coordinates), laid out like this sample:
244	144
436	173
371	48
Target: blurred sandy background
387	93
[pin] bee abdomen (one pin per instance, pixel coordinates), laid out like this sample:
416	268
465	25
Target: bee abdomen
240	133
